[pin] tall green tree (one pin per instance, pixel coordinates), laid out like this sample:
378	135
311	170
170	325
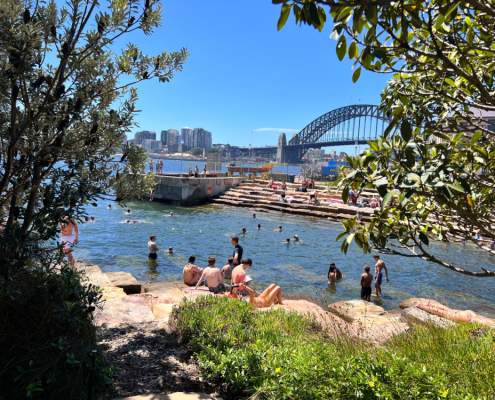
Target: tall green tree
67	99
434	167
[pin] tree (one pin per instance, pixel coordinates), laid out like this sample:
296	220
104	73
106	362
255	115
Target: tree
434	166
67	100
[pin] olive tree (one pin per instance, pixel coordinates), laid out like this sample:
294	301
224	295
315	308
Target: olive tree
434	165
67	99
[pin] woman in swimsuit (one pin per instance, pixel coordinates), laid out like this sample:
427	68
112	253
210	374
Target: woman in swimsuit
271	295
69	237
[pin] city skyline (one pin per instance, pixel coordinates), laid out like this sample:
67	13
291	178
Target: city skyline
244	80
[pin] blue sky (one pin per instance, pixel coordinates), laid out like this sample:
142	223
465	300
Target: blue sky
243	75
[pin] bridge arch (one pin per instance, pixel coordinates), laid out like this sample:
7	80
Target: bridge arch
321	130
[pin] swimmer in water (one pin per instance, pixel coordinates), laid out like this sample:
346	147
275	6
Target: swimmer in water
259	227
109	207
128	211
279	229
127	221
254	215
92	220
243	231
287	241
135	221
170	251
171	214
296	238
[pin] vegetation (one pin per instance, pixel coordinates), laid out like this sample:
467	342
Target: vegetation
67	100
434	166
277	355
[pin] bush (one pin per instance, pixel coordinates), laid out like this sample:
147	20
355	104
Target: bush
279	355
47	338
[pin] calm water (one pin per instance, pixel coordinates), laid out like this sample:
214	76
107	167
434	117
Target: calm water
300	269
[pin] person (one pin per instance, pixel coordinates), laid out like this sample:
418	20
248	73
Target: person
190	172
254	215
109	206
334	274
284	186
171	214
128	221
380	267
213	277
239	273
69	237
196	171
128	211
86	219
270	296
259	227
353	196
151	165
243	231
282	197
296	237
170	251
152	248
374	202
227	268
278	229
287	241
204	170
366	279
238	250
92	219
191	272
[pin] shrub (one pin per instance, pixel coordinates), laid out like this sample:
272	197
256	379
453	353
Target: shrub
279	355
47	338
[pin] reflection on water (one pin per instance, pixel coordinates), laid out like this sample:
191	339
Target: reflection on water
299	268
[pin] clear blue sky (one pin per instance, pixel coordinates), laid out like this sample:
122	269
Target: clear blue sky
243	75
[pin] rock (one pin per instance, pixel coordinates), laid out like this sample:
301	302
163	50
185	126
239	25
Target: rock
125	281
353	310
93	274
378	329
162	311
112	293
130	309
173	396
417	316
436	308
174	292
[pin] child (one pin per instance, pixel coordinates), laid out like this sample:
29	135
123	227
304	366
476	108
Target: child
366	280
152	248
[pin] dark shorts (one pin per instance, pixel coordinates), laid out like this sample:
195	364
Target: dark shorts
152	256
366	292
378	281
219	289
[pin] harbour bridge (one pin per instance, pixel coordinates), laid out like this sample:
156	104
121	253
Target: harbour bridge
349	125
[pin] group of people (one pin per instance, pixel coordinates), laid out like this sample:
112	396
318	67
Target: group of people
158	166
232	280
196	171
334	275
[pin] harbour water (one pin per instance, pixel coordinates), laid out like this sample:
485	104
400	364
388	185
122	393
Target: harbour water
299	268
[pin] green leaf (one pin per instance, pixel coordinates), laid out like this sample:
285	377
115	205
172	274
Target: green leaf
341	47
284	15
353	50
356	75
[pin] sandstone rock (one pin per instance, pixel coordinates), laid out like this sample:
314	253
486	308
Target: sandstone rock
93	274
112	293
125	281
162	311
130	309
174	292
417	316
353	310
173	396
378	329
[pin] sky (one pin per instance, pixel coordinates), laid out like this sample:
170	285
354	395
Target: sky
243	76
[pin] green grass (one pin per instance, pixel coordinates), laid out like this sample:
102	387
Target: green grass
278	355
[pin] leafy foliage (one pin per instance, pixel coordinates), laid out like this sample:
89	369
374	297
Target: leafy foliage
47	337
434	166
277	355
67	100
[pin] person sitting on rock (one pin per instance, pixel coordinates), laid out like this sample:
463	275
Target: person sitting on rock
270	296
227	268
213	277
239	273
191	272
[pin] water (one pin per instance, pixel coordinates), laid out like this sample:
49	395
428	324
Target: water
300	269
176	166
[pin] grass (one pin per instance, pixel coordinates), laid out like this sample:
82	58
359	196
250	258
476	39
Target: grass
279	355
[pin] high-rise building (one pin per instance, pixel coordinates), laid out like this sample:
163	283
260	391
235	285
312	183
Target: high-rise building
152	145
141	136
186	138
201	138
170	139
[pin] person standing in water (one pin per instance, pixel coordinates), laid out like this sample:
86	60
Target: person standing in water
380	267
238	250
69	237
334	274
152	248
366	279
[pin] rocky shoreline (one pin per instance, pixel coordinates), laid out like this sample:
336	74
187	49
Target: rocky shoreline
136	330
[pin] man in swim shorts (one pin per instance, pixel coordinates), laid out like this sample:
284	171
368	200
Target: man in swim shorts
213	277
152	248
366	279
69	237
238	250
380	267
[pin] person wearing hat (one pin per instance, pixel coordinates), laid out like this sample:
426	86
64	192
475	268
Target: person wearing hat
213	277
